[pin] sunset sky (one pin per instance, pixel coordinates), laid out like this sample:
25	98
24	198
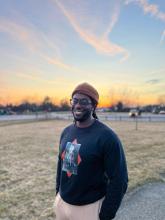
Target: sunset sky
47	47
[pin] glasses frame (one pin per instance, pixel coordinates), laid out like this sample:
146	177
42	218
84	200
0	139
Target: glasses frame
79	101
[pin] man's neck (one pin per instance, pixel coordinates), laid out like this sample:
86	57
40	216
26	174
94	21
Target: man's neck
86	123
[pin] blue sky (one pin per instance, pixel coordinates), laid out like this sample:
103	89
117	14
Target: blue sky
47	47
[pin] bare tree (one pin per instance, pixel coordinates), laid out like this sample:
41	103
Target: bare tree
64	105
161	99
47	104
125	95
112	96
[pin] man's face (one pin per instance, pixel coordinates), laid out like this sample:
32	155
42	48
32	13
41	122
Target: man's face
81	107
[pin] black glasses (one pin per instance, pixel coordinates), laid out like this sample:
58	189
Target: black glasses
83	102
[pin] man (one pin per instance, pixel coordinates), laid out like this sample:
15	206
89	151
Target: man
91	173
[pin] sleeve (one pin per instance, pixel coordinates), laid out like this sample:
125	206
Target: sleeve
116	171
58	174
58	170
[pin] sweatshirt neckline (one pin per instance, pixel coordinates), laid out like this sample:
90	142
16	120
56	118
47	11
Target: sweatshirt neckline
85	128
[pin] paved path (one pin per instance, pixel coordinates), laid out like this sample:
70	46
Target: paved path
144	203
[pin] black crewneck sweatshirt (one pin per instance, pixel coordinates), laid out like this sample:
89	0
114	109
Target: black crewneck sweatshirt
91	165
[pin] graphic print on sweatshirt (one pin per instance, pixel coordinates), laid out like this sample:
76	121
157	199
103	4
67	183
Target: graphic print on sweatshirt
71	158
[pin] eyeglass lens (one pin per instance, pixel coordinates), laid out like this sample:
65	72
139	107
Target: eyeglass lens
84	101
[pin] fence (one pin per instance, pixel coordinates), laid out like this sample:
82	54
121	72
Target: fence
68	116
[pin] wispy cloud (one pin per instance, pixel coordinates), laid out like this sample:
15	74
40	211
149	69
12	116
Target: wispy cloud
28	34
30	40
35	78
39	79
153	81
114	19
25	34
152	9
19	33
162	37
160	72
59	63
101	44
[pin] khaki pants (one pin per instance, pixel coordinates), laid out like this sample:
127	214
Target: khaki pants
65	211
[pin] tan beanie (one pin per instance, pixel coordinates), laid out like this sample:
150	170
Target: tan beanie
87	89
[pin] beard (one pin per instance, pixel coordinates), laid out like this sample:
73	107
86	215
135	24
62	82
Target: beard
82	115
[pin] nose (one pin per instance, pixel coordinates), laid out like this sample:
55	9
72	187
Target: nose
77	105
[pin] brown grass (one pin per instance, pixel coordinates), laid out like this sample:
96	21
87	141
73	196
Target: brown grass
28	163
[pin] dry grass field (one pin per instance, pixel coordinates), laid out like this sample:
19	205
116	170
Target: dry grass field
28	154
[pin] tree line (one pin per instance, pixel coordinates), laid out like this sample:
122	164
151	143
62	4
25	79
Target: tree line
45	106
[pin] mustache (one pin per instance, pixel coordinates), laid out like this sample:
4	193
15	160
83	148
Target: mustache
77	108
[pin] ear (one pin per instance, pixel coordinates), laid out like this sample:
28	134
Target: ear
93	108
94	104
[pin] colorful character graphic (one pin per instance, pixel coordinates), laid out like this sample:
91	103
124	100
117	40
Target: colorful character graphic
71	158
